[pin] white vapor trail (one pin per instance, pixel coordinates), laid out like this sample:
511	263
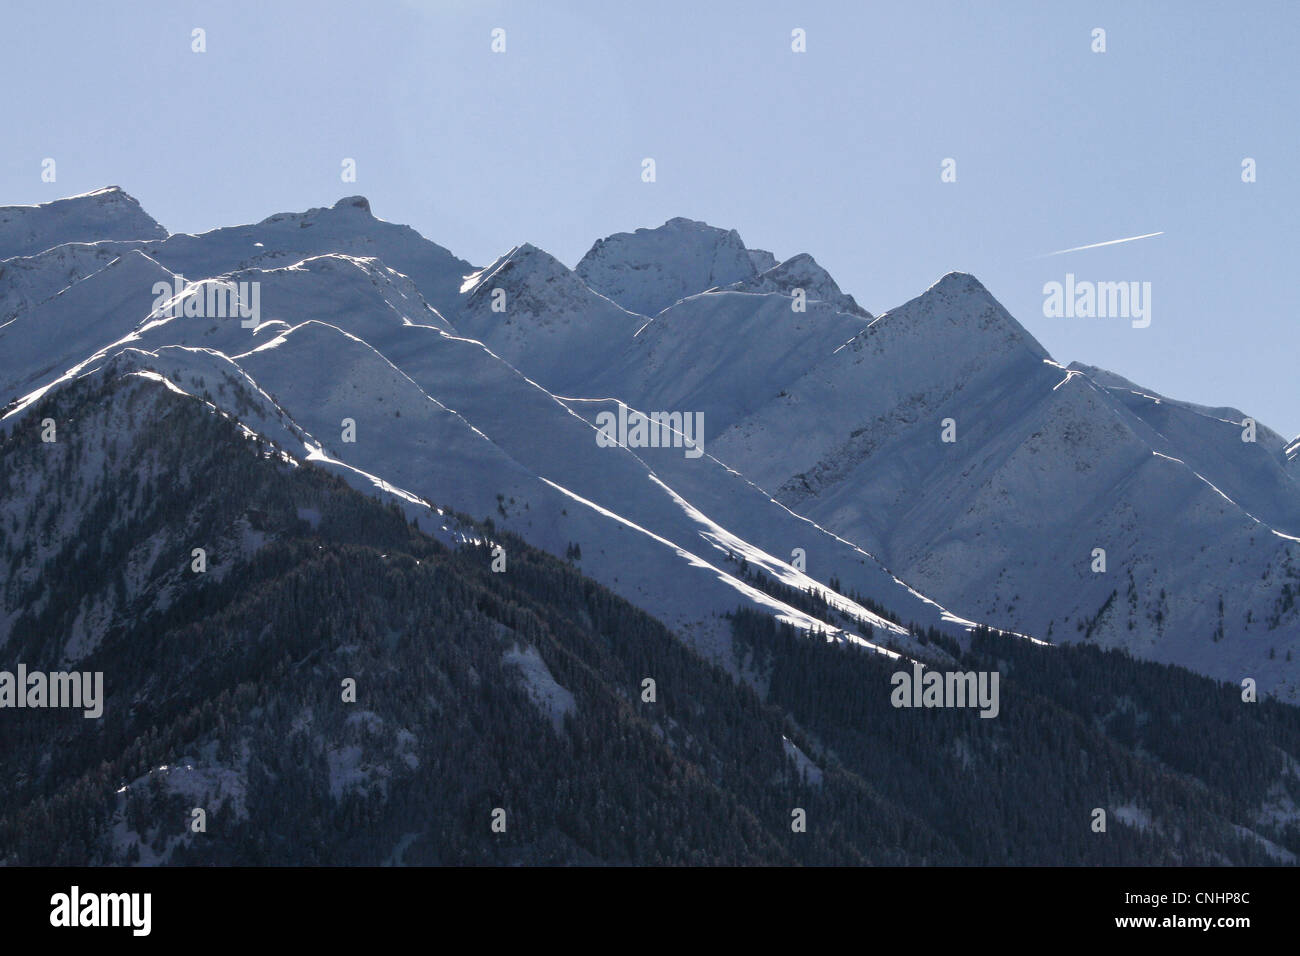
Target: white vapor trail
1095	245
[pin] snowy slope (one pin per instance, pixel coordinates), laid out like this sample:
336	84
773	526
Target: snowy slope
424	450
904	365
102	214
56	334
723	353
538	316
1047	465
1210	440
28	280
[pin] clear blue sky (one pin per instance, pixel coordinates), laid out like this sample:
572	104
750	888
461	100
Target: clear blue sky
835	151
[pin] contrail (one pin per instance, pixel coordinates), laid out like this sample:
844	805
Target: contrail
1095	245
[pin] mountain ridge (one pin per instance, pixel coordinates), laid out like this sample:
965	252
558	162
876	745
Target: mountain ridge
824	428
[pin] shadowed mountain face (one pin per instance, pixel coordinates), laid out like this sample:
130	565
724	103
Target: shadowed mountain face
684	461
336	686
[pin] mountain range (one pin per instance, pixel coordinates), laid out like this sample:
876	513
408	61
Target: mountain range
925	484
481	388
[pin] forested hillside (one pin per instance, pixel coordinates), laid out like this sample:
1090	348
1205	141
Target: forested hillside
524	691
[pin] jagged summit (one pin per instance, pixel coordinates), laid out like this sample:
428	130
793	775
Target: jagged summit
348	206
535	283
802	272
648	270
684	224
762	259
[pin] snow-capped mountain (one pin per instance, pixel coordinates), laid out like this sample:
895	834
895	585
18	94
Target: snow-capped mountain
828	464
58	332
537	315
1045	465
347	228
102	214
648	270
438	417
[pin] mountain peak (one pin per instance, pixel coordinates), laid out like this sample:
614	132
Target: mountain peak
957	283
105	213
104	197
103	191
535	283
959	293
527	249
685	224
342	211
354	202
959	316
648	270
802	272
521	261
536	315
